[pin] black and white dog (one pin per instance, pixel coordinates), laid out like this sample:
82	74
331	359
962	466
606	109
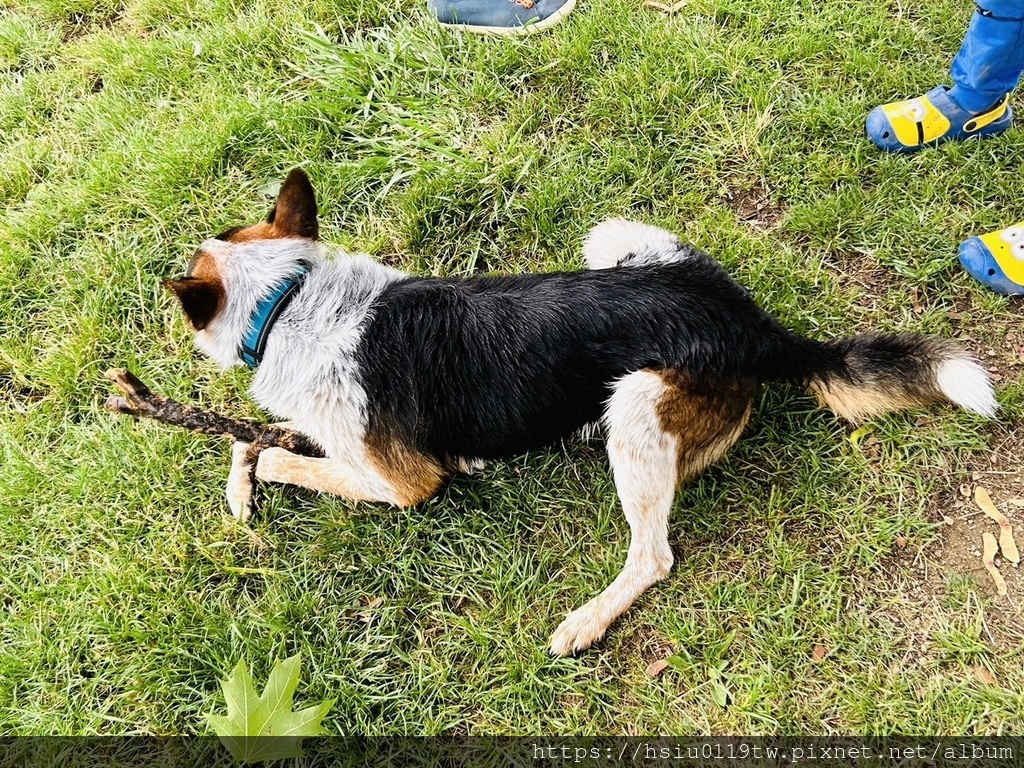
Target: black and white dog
406	380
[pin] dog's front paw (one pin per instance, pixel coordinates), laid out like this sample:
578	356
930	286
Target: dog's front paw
581	628
240	487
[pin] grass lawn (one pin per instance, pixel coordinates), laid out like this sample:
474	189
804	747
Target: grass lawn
816	579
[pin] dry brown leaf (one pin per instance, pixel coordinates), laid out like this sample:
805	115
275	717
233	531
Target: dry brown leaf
915	299
1016	502
655	668
988	555
1006	540
982	675
819	653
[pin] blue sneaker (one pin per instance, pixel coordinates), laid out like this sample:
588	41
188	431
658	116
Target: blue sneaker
907	126
996	260
500	17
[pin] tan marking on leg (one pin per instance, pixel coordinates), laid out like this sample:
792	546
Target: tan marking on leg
415	476
276	465
708	417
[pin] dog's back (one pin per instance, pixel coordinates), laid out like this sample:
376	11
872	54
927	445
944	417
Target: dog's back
493	366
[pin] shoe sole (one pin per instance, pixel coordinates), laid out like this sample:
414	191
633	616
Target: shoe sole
522	31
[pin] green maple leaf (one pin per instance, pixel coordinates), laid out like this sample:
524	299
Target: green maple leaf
262	728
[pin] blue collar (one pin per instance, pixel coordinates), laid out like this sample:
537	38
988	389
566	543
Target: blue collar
254	343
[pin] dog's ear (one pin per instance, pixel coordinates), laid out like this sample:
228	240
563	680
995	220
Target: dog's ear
294	214
201	299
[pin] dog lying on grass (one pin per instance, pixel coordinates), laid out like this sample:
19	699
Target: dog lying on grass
406	380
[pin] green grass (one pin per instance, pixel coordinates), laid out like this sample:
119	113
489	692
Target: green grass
133	130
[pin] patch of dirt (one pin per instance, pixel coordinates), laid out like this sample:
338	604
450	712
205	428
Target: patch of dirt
960	547
862	269
78	24
749	200
644	645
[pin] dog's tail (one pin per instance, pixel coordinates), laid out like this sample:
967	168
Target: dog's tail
873	373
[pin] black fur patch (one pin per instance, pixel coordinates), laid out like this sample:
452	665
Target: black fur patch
489	367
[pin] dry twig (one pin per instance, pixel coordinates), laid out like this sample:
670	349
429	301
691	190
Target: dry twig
141	402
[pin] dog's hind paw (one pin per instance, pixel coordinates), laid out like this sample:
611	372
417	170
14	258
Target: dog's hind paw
239	490
579	631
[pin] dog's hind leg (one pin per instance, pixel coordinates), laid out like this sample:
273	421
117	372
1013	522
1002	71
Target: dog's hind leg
662	429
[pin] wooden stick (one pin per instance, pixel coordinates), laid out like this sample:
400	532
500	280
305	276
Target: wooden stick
141	402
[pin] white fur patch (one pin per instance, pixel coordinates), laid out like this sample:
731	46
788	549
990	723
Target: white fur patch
967	384
644	462
469	466
611	241
308	374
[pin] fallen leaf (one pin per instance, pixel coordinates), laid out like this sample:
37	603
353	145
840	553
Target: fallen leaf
988	558
819	653
860	433
1006	541
252	718
982	675
655	668
270	187
719	693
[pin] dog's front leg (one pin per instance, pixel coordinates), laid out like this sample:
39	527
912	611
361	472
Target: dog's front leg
359	482
240	488
277	465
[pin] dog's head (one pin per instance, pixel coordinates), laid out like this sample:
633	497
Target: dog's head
230	274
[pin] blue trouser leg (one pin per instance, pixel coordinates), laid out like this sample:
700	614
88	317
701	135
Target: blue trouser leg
991	58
